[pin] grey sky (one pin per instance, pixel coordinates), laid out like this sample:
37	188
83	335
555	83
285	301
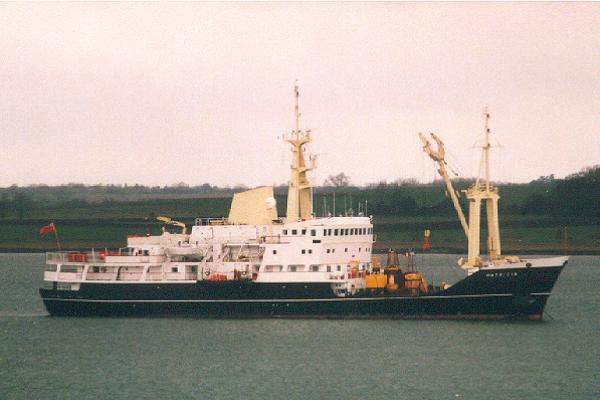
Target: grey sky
158	93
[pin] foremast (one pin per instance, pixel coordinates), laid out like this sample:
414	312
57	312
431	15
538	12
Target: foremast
299	199
476	194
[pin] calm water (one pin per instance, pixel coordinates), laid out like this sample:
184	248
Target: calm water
188	358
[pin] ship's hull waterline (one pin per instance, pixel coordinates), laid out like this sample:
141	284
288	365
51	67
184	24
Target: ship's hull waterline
517	293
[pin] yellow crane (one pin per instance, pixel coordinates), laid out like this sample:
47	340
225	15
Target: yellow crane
169	221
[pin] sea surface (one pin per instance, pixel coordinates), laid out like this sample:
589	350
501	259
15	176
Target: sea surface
44	357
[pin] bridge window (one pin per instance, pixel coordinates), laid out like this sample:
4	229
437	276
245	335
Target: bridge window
314	268
273	268
296	268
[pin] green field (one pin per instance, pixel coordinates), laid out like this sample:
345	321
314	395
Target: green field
524	235
532	215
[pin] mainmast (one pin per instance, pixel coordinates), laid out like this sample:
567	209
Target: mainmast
475	194
299	200
485	157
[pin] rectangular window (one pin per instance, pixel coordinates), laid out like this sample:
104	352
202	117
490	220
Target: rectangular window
296	268
69	268
285	231
174	269
303	251
274	251
339	268
328	251
333	250
313	232
347	232
335	232
329	268
294	231
304	231
95	270
50	268
309	251
346	250
273	268
314	268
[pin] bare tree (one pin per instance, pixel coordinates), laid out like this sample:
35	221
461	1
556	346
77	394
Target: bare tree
339	180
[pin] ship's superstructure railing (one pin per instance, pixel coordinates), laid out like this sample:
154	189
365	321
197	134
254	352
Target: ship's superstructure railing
102	256
210	221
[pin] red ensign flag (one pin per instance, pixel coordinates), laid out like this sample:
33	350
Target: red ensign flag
47	229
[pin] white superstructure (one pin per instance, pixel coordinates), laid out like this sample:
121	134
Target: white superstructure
252	243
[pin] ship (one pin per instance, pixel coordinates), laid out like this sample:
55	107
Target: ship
255	263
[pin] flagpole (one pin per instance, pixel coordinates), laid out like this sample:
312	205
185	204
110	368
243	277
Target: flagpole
56	236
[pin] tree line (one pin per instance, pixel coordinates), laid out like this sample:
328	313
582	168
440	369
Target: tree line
575	197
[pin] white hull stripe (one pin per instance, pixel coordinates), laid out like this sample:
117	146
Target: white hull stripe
287	300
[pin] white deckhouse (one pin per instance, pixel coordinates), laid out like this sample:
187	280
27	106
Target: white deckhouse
251	243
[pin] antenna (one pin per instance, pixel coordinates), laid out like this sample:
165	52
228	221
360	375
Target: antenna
485	158
486	148
334	210
297	96
345	205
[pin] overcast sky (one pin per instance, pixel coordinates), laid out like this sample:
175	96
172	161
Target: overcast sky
158	93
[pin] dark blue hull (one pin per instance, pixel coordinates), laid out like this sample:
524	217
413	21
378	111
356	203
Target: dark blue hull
510	293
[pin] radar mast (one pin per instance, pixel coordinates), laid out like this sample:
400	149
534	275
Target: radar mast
299	200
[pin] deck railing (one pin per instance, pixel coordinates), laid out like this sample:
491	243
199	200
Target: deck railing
84	256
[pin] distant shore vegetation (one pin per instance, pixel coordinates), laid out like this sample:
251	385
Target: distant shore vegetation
575	196
533	215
